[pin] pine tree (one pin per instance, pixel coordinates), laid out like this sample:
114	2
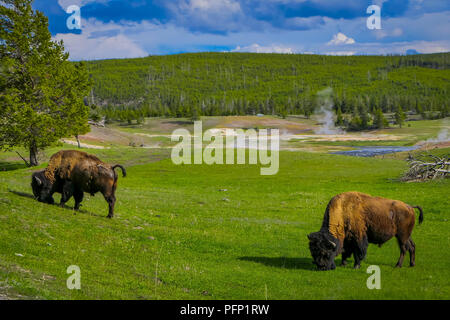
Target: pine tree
41	92
355	123
379	120
399	116
339	117
364	116
195	114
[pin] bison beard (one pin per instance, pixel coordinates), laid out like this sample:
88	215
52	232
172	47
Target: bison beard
71	173
353	220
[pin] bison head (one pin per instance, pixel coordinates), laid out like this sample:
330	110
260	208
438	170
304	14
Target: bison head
323	249
42	187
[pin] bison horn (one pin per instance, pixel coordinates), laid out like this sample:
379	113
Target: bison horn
39	182
332	243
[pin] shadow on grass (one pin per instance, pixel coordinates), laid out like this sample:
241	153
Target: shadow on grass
10	166
179	122
283	262
22	194
30	196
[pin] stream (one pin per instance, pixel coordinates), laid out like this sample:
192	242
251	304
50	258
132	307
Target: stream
374	151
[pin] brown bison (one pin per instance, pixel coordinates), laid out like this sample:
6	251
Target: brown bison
72	172
353	220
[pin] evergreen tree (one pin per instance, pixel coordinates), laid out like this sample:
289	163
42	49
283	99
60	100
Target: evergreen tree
379	120
339	117
41	92
443	111
195	114
399	116
364	116
355	123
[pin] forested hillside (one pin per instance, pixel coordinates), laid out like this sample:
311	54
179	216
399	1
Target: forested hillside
190	85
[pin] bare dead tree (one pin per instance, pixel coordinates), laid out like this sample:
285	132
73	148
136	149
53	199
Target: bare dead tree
426	166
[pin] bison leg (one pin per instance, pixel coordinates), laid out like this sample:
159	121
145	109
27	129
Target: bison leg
109	194
111	199
349	249
78	196
345	255
360	251
412	252
347	252
111	202
403	247
67	193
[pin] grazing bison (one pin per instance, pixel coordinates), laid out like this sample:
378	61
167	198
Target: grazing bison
72	172
353	220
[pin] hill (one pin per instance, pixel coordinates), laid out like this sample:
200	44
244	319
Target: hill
197	84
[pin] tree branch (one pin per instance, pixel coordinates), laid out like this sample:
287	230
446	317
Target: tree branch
26	162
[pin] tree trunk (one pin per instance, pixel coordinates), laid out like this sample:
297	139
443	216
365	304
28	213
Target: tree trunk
78	141
33	155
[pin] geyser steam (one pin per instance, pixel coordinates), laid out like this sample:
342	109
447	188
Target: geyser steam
326	115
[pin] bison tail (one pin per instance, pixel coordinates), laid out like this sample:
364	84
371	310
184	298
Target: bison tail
421	213
124	172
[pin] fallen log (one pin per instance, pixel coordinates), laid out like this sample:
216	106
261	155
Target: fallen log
427	167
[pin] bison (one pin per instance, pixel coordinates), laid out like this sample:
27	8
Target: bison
72	172
353	220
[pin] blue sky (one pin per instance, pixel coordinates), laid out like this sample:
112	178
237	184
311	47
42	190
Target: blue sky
136	28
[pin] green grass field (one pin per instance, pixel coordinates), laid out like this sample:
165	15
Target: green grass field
176	235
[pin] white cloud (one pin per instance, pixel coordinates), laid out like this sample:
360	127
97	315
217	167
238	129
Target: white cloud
87	46
396	32
380	2
340	53
81	47
300	23
207	15
256	48
382	48
229	6
340	39
66	3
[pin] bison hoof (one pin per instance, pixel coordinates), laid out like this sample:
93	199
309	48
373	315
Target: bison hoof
357	266
343	263
109	216
398	265
412	264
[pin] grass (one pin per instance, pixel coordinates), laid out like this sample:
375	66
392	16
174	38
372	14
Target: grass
177	236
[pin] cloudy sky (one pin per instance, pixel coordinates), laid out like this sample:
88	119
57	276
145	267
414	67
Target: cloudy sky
137	28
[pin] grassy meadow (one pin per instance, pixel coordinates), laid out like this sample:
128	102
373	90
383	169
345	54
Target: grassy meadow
213	232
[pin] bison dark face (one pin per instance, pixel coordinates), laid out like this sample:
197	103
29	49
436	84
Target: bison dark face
42	187
323	249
